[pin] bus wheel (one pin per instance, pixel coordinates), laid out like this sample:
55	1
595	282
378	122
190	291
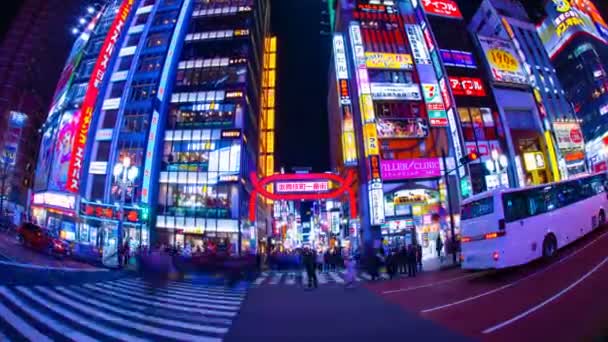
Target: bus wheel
601	218
549	246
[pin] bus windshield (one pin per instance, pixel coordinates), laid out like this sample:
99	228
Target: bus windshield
484	206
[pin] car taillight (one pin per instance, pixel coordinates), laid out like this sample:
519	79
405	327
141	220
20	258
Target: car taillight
465	239
495	256
491	236
501	224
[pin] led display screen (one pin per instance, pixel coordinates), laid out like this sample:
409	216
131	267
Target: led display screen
457	58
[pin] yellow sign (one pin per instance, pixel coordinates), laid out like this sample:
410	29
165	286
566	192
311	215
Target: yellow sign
562	6
534	161
372	145
379	60
349	147
367	108
568	23
503	60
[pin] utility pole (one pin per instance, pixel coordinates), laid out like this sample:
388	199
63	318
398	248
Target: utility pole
450	205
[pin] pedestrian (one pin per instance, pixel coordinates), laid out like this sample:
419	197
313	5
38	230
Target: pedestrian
350	264
411	261
439	247
309	263
403	259
126	251
392	264
320	260
419	256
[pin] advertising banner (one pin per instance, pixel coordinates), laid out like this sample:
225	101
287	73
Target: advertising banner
340	57
395	91
568	135
410	168
467	86
564	20
391	61
376	206
444	8
372	145
455	58
315	186
402	128
82	121
419	50
503	61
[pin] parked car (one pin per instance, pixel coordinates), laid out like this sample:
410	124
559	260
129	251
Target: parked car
42	239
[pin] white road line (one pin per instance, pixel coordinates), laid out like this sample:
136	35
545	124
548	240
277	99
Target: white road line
357	278
276	279
260	279
304	277
198	287
366	276
126	323
321	278
213	304
291	279
104	289
411	288
178	324
440	307
554	297
52	268
49	322
336	277
102	329
20	325
178	295
200	292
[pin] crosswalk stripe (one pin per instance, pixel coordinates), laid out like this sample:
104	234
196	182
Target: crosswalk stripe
20	325
276	279
336	277
159	311
197	327
200	292
357	278
366	276
304	277
198	302
105	330
49	322
103	288
291	279
177	295
209	288
260	279
130	324
321	278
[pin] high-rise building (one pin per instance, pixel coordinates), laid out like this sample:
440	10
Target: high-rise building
393	121
31	54
531	146
576	38
157	124
508	20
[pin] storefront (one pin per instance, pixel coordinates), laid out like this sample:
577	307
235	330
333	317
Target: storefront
56	212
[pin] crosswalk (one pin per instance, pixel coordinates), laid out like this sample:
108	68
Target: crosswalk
299	278
125	309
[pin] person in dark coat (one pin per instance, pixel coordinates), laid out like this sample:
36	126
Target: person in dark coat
403	260
392	263
419	256
439	247
411	261
308	258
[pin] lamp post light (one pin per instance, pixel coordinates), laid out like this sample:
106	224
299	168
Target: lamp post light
125	175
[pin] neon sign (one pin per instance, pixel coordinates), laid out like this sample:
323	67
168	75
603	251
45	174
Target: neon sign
468	86
86	113
444	8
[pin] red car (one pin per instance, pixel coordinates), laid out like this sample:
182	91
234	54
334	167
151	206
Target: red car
41	239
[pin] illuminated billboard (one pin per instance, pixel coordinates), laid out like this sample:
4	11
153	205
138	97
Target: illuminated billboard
564	20
82	120
392	61
503	61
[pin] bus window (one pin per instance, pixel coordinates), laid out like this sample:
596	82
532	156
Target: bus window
541	201
568	193
477	208
515	205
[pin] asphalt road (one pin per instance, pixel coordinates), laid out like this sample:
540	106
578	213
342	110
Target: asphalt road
559	300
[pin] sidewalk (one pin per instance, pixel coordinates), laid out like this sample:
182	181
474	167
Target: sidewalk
12	252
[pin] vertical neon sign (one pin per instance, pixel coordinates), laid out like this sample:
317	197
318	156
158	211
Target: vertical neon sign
161	96
83	120
349	152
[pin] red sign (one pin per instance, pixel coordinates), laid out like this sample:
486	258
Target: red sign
107	212
467	86
445	8
83	121
576	136
444	93
439	122
374	166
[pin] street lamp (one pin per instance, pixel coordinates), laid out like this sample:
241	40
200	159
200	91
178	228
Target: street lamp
125	175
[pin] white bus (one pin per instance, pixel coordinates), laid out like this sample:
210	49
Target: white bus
510	227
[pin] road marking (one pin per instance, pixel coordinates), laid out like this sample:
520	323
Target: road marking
321	278
304	277
20	325
105	330
125	323
52	268
539	306
261	278
176	295
411	288
336	277
276	279
440	307
366	276
49	322
291	279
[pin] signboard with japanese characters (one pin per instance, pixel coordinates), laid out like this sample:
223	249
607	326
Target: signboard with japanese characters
503	61
419	51
316	186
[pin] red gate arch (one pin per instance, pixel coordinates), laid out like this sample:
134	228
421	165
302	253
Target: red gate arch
344	184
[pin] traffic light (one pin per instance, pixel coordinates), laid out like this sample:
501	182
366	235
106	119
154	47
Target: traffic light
145	213
469	158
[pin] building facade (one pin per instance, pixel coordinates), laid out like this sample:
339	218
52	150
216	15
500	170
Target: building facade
393	119
31	54
158	113
575	36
